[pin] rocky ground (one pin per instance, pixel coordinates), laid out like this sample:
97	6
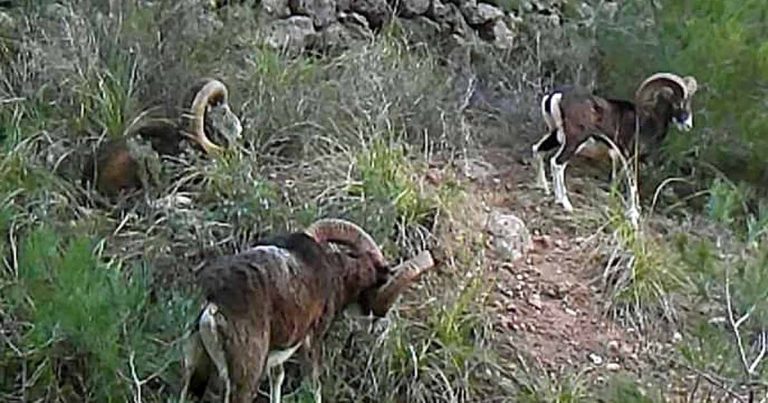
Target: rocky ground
547	302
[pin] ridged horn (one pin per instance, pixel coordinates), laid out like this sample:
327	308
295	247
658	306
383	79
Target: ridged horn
402	276
334	229
212	91
683	88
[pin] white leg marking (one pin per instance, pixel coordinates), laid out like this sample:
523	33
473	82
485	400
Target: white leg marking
317	394
193	349
614	162
276	371
276	383
209	335
553	121
558	181
560	169
538	158
555	177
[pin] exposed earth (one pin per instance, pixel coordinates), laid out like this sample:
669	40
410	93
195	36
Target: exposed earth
548	304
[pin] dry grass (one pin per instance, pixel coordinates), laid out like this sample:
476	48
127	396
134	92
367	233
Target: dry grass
95	294
346	136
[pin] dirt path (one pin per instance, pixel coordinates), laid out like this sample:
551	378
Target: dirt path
544	303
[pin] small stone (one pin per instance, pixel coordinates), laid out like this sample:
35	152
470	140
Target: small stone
596	359
677	337
612	366
571	312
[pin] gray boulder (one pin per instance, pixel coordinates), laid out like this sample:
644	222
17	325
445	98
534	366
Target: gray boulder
377	12
480	14
293	34
322	12
414	8
276	8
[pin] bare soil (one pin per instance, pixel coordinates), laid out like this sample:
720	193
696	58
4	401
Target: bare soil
546	304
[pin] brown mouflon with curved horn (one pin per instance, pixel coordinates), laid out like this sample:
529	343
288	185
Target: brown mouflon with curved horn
265	303
575	118
114	168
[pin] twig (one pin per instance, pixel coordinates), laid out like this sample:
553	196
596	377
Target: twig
749	368
135	377
12	100
719	383
761	355
735	324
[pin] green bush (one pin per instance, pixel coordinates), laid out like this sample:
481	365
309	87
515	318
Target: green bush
88	316
721	43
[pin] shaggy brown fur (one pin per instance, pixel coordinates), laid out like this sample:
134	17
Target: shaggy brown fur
263	304
282	298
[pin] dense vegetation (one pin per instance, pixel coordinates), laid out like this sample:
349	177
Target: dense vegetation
95	295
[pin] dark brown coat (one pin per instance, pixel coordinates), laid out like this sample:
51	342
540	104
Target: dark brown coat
282	290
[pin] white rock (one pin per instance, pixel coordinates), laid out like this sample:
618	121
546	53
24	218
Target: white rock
510	236
294	33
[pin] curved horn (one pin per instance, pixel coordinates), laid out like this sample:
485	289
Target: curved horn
403	275
212	92
682	87
334	229
691	84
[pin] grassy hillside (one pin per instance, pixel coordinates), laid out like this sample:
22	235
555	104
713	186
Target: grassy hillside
96	294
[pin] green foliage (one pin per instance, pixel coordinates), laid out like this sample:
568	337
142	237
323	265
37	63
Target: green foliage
621	389
712	346
70	296
453	325
540	388
385	178
330	136
89	314
725	202
721	43
106	97
649	272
